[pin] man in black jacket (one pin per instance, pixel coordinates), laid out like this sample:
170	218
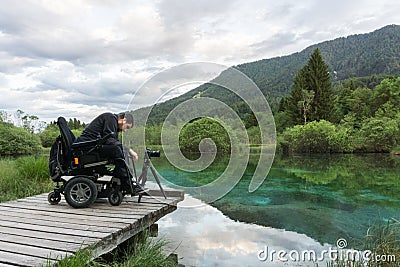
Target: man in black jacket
112	149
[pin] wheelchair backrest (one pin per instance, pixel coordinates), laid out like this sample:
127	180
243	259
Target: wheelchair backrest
67	138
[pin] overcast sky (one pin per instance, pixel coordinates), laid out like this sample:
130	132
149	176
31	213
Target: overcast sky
80	58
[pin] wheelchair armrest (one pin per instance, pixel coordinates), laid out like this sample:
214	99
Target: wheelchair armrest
92	143
84	144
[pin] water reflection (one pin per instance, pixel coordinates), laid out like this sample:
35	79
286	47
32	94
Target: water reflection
320	197
203	236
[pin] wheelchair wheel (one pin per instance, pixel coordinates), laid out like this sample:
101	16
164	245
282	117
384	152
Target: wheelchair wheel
80	192
115	197
54	198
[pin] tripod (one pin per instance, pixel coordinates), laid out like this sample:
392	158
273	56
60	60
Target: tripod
143	176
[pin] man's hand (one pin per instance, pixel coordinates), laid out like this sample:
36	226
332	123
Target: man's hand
133	154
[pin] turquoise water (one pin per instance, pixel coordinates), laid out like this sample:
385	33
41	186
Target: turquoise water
325	197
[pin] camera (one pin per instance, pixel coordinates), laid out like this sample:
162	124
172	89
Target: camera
152	153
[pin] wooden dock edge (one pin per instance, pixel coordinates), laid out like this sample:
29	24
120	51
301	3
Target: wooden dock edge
113	241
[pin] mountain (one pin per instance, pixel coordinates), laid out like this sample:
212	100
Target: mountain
361	55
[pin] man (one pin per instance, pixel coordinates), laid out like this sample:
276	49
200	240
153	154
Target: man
112	149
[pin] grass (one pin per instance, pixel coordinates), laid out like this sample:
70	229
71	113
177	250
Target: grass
23	177
142	252
383	240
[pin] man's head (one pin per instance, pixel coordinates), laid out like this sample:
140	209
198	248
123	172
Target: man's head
125	121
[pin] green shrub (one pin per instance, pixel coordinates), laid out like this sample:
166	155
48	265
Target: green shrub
48	136
17	141
316	137
204	129
379	135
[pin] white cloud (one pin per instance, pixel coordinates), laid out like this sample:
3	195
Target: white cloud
74	57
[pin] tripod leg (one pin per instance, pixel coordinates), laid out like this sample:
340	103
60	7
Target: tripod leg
143	177
157	180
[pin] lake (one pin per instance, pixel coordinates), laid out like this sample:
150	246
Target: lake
306	202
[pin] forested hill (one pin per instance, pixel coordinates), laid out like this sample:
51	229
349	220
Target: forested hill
354	56
358	55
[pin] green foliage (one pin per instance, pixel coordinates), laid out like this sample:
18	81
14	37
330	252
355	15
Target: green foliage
153	135
379	135
387	92
383	238
292	107
383	241
48	136
315	137
24	177
17	141
312	96
318	80
254	135
370	122
143	251
204	129
34	168
282	121
75	124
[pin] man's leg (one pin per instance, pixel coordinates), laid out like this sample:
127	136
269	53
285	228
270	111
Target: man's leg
115	153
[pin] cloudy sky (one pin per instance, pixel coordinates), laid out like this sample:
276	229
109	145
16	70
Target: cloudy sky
80	58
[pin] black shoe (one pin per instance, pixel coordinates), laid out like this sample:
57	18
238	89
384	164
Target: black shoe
137	189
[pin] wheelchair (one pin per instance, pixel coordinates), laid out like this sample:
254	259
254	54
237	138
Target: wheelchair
81	174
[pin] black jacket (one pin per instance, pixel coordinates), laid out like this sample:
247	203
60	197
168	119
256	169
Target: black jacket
101	126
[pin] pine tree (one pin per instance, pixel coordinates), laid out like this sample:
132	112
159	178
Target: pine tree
296	97
318	80
312	96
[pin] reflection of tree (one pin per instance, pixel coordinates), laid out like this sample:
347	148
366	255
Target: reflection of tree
350	174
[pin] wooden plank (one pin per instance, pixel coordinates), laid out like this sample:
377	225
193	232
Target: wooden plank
119	211
128	203
6	265
91	216
33	251
48	236
44	243
66	225
40	228
99	225
86	220
21	260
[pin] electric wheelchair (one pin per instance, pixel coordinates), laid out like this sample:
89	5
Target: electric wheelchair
81	174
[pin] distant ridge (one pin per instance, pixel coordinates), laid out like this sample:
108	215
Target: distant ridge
359	55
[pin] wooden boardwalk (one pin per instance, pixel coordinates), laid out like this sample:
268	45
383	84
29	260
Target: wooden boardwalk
34	233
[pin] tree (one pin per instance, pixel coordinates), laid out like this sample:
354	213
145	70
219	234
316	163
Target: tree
305	104
297	96
312	95
318	80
